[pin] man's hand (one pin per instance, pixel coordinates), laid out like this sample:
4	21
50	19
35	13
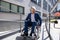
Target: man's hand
38	27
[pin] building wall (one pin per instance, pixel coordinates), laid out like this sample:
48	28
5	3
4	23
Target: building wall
7	25
9	16
27	4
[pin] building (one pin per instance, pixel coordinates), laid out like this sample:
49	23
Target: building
58	7
11	11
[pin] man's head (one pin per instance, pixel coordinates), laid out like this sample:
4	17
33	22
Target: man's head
33	9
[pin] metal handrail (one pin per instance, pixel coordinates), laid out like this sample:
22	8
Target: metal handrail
48	32
49	35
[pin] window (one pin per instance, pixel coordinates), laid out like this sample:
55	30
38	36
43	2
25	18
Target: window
35	1
57	17
44	4
11	8
58	6
54	2
21	10
38	12
0	5
49	8
55	9
0	2
51	1
39	2
5	6
14	8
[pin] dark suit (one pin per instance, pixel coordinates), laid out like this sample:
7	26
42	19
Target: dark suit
33	24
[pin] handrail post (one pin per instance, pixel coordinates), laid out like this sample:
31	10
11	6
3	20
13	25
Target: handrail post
20	23
43	33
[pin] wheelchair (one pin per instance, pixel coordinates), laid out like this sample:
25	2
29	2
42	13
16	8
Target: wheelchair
28	37
36	30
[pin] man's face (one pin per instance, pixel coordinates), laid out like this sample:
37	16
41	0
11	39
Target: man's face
32	10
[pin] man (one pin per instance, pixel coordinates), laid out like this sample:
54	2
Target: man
32	19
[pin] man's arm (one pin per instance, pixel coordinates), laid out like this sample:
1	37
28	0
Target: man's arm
40	20
27	17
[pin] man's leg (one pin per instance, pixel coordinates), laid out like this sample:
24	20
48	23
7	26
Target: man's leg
33	27
26	29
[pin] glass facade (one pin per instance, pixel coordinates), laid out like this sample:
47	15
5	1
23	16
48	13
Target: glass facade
38	12
21	10
53	2
38	2
55	10
44	4
12	8
49	8
5	6
57	17
0	4
58	6
35	1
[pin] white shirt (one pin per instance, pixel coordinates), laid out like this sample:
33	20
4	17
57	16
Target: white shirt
32	18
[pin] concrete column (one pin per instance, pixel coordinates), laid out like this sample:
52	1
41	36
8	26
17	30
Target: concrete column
41	16
41	8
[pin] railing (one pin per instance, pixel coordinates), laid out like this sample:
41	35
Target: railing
47	31
7	34
10	32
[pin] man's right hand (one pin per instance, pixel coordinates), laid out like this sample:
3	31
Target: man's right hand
38	27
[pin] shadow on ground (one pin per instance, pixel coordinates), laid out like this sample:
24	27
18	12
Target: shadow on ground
19	38
23	38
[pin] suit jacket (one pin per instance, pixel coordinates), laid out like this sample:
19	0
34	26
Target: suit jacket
37	19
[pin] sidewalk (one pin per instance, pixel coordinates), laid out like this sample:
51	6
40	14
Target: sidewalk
13	37
55	34
8	32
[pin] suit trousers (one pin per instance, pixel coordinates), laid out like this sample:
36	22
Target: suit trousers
26	27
